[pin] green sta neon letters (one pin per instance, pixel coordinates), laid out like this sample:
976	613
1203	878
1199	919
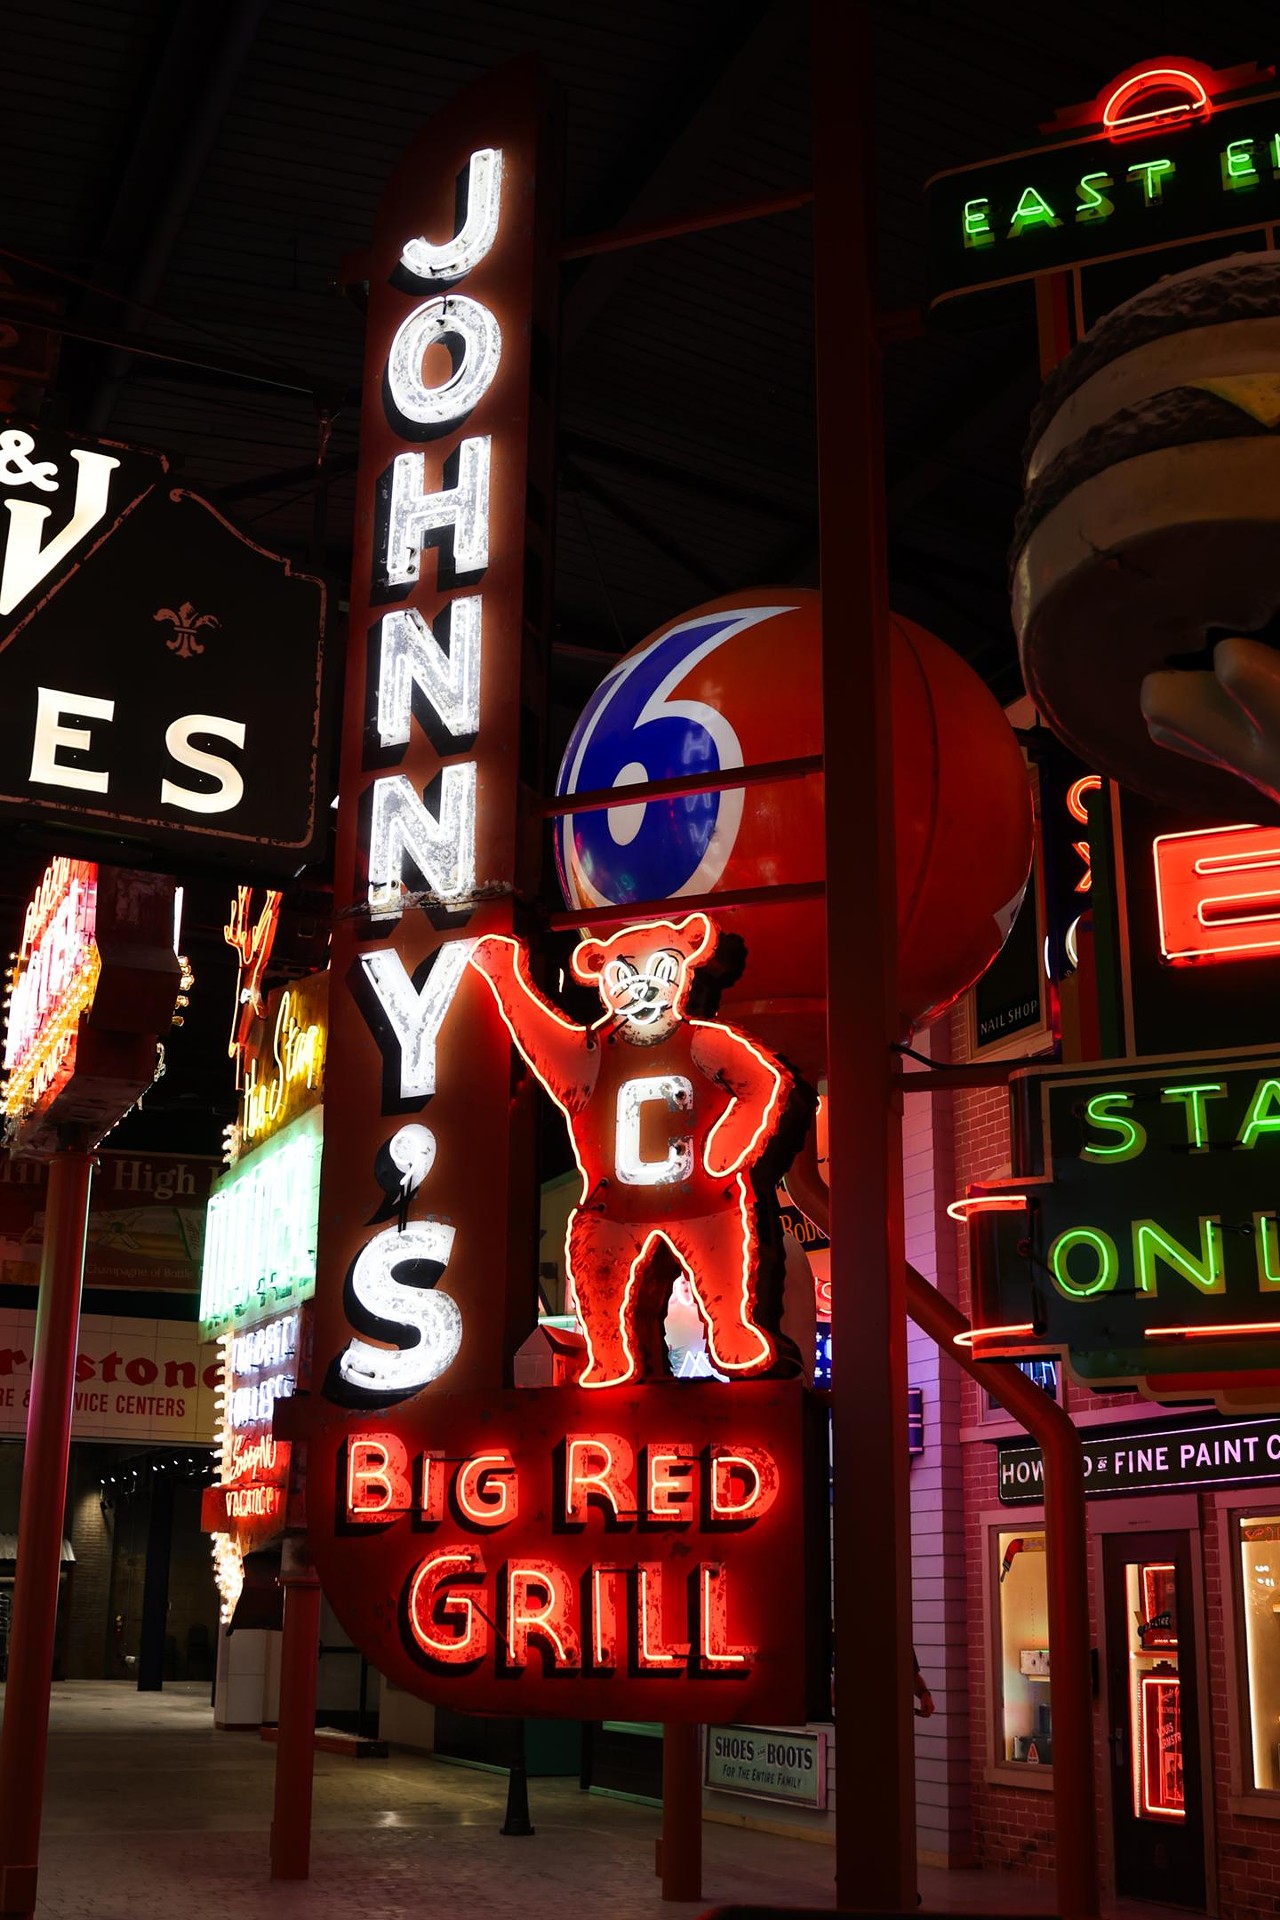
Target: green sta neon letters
1263	1115
1195	1097
1109	1112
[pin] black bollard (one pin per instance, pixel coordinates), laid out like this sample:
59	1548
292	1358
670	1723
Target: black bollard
517	1825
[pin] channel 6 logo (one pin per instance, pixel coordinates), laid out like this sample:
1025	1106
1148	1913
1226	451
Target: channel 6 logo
699	697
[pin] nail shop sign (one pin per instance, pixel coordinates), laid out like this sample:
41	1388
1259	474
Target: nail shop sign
160	673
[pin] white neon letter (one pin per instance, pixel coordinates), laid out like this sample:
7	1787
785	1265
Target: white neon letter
177	740
443	850
417	516
411	654
451	317
477	233
430	1318
26	562
416	1014
46	768
674	1092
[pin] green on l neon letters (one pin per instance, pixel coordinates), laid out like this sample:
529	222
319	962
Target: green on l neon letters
977	224
1238	170
1106	1259
1263	1115
1195	1097
1032	210
1094	204
1152	175
1099	1113
1152	1243
1264	1246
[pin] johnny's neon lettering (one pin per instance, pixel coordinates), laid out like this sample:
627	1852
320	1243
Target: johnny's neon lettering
413	850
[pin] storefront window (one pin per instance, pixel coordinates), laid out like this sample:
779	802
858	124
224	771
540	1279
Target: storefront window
1260	1594
1024	1727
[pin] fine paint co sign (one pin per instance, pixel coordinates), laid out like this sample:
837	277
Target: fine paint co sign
1146	1242
160	674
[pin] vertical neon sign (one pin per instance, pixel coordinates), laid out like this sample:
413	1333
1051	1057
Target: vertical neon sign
443	708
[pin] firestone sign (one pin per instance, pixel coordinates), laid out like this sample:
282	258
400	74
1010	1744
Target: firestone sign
611	1547
134	620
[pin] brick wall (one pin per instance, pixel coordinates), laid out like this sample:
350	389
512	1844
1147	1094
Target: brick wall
943	1827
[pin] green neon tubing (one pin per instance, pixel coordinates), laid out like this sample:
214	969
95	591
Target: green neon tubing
1133	1135
1108	1262
1094	204
977	223
1264	1227
1258	1120
1238	171
1152	1243
1195	1097
1032	210
1152	175
1275	153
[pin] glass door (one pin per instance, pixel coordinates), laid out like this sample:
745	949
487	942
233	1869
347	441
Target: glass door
1154	1734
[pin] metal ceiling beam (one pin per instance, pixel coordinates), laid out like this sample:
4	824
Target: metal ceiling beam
637	523
188	100
744	50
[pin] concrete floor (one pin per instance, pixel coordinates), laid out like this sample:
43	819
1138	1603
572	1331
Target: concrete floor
151	1815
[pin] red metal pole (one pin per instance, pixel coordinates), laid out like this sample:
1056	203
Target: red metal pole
680	1849
25	1736
1067	1543
295	1747
875	1810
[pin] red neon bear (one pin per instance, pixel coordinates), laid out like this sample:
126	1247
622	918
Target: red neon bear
669	1118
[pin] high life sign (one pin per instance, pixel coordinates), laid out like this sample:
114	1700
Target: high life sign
1168	153
134	619
1140	1232
562	1551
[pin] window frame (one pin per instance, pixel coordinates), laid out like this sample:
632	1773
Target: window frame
1233	1506
998	1771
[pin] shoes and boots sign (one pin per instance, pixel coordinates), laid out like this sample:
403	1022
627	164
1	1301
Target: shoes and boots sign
160	673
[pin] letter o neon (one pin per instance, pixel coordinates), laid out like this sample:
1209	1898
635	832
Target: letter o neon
1104	1249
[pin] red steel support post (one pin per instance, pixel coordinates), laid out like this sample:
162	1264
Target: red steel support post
25	1737
1067	1541
875	1813
295	1748
681	1843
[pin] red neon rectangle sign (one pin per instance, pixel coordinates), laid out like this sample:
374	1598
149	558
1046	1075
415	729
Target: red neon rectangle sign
1218	893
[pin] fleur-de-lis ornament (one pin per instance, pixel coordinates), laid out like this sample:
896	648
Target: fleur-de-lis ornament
186	624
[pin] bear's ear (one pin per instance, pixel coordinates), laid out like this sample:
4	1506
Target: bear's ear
696	937
588	960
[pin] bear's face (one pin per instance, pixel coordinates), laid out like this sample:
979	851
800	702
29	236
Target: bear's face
643	974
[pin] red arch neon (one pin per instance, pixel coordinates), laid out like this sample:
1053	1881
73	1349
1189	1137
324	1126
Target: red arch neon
1116	118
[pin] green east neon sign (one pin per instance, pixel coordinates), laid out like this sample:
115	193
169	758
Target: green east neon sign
1061	206
1149	1244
